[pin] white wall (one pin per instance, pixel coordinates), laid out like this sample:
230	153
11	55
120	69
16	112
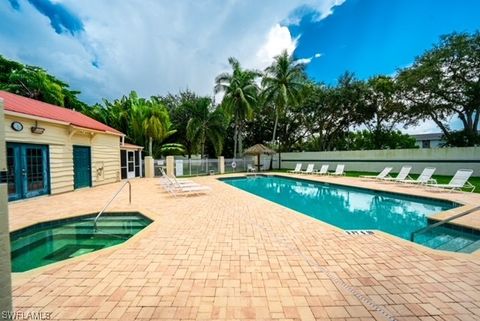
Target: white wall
446	160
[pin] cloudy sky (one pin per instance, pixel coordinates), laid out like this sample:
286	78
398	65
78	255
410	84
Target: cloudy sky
106	48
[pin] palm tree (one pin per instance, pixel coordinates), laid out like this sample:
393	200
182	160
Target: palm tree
150	119
282	84
240	97
206	124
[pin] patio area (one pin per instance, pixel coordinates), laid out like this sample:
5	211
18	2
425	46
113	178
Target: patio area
231	255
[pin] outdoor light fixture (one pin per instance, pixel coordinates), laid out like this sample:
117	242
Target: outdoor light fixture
37	130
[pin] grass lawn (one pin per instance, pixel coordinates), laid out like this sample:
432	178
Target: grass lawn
440	178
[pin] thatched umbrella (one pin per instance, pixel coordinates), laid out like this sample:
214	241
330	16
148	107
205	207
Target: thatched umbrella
259	149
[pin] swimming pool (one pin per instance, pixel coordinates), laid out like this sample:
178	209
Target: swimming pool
361	209
45	243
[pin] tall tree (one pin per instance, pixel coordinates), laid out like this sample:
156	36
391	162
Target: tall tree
330	112
151	120
445	82
206	124
146	122
34	82
240	97
282	85
383	109
180	107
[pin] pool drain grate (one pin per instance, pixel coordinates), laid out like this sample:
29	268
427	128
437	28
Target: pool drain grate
359	232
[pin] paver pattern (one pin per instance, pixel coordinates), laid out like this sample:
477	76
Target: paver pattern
231	255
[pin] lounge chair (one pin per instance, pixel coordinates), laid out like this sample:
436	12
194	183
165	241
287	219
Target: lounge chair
381	175
457	183
298	169
165	179
424	178
323	170
185	188
167	182
402	175
339	171
250	168
309	169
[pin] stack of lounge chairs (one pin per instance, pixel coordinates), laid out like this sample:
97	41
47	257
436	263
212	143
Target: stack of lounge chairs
183	187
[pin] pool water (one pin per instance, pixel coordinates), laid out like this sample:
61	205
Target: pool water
362	209
50	242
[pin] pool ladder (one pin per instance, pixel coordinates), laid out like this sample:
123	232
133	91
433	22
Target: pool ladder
449	219
111	200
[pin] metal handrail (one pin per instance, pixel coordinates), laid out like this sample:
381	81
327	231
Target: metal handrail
451	218
111	200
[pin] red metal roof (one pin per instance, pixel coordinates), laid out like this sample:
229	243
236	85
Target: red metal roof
32	107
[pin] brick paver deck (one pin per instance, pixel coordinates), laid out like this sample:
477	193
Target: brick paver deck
231	255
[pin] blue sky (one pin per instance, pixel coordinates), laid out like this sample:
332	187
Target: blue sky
371	37
107	48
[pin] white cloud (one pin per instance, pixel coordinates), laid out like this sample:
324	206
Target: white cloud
277	40
423	127
151	46
303	61
321	10
325	8
306	61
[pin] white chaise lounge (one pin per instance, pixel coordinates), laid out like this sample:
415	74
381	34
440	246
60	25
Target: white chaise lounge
457	183
309	169
381	175
298	169
339	171
323	170
402	175
424	178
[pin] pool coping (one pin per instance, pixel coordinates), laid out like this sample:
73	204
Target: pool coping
24	276
376	231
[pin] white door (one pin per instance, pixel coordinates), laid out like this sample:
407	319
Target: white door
130	164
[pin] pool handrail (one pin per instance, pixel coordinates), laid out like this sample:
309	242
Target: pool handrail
437	224
111	200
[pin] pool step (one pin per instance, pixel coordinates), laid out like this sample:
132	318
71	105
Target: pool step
455	244
449	239
102	239
471	247
40	238
107	223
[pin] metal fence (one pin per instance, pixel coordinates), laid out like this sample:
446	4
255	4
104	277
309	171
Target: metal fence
198	167
189	167
234	165
157	164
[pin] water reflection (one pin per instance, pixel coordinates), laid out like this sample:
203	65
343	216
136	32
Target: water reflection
348	208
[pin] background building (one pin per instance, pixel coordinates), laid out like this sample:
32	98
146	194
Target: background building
431	140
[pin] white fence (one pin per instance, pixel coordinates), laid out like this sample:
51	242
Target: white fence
189	167
446	160
197	167
238	164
